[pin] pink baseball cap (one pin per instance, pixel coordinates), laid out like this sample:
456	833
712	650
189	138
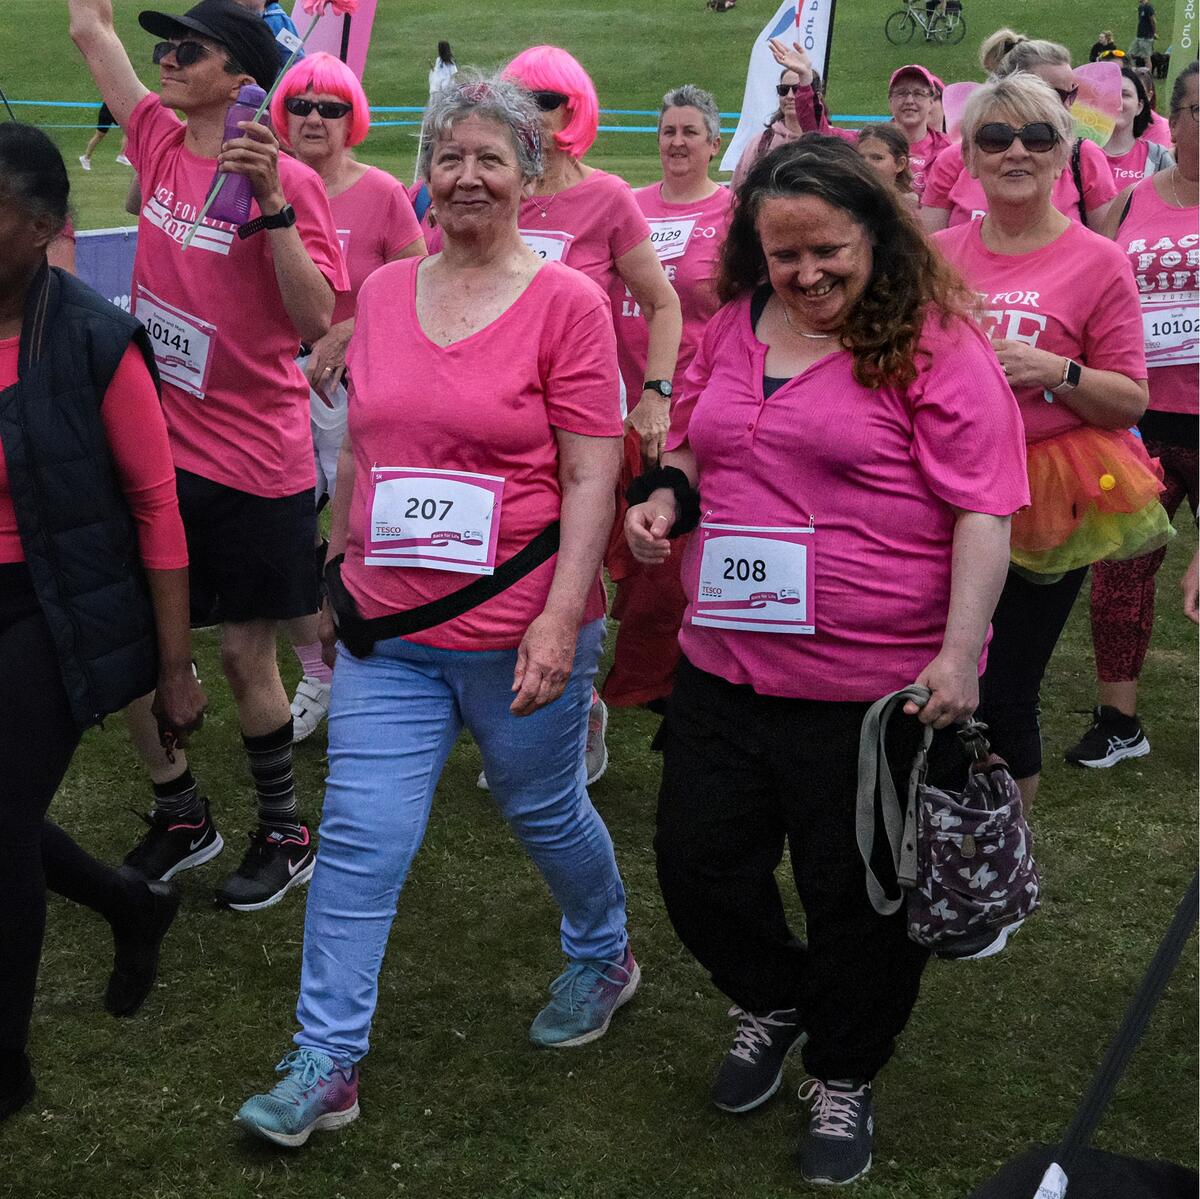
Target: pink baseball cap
915	68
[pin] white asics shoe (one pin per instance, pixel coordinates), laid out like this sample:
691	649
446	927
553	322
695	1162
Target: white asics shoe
85	162
309	708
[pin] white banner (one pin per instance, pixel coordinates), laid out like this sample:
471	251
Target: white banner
812	31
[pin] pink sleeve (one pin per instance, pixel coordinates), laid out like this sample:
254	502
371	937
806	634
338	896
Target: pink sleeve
150	126
306	194
695	379
583	394
629	225
940	178
1098	184
137	436
401	228
969	444
1113	337
812	117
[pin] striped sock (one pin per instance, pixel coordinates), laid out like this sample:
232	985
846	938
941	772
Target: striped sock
180	798
271	766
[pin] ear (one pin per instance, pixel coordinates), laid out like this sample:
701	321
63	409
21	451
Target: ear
528	187
44	230
237	82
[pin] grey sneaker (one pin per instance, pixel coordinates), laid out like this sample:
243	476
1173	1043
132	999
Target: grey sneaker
596	754
753	1069
836	1146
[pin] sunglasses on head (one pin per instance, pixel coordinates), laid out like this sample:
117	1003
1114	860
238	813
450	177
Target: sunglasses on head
784	88
186	53
1068	98
549	101
331	110
1037	137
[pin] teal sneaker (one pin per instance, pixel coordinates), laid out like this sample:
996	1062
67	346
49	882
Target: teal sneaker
585	996
316	1093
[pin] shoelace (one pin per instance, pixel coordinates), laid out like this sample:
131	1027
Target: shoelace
302	1070
752	1033
572	980
835	1113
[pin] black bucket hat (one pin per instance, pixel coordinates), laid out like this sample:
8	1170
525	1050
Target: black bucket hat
244	34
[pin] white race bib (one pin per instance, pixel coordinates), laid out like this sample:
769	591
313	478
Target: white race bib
1171	325
551	245
437	519
755	578
670	235
182	343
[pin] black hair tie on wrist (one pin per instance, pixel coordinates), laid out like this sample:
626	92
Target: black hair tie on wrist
687	498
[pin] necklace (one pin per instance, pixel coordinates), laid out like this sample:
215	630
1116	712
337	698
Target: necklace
543	208
1175	189
787	316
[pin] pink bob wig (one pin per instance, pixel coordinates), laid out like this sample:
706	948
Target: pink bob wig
549	69
326	76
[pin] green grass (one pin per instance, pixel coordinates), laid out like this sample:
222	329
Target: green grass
455	1102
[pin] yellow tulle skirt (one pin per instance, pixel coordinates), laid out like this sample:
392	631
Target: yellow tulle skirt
1094	497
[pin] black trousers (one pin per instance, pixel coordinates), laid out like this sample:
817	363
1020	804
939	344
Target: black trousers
743	775
1028	622
37	738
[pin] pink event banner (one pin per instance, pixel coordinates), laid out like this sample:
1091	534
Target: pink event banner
347	38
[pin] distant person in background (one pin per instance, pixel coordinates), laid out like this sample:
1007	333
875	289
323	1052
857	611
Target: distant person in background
1130	155
783	125
1142	46
104	122
279	23
1100	45
1159	129
995	46
885	149
444	69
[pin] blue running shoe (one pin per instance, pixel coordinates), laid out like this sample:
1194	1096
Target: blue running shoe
586	995
316	1093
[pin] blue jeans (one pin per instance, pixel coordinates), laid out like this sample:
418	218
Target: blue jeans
393	719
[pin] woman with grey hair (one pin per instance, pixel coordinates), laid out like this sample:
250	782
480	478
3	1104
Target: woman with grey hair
1084	187
484	441
688	216
1061	306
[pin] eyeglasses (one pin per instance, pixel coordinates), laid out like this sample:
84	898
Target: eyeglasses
911	93
784	88
549	101
1037	137
331	110
1194	109
1068	98
186	53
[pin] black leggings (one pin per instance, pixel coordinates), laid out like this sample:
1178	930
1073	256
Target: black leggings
1029	620
37	738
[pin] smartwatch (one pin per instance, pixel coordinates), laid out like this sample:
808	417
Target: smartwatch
285	218
1072	373
662	386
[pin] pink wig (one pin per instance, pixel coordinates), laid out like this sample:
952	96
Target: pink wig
326	76
549	69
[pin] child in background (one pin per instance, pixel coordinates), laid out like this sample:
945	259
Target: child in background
886	150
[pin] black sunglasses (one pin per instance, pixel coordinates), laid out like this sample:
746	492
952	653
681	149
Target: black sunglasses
1037	137
331	110
549	101
1068	98
782	89
186	53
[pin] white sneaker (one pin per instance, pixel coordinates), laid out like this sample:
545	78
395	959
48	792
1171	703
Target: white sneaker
481	782
124	161
85	162
595	756
309	708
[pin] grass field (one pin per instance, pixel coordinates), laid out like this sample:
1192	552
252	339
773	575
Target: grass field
455	1101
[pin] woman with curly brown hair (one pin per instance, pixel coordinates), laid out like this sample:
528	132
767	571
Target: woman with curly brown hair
857	455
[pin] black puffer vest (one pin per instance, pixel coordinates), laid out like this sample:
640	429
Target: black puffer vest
79	537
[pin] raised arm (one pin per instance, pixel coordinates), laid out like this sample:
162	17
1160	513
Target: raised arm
93	32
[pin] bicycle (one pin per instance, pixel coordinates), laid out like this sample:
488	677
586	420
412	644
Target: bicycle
946	24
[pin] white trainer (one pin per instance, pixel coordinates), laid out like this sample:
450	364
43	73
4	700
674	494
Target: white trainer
309	708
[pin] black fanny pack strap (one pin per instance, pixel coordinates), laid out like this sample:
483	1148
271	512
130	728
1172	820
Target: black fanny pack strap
359	635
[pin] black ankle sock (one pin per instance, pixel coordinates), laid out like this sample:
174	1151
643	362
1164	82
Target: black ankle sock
179	798
271	767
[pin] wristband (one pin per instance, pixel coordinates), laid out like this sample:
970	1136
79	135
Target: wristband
687	498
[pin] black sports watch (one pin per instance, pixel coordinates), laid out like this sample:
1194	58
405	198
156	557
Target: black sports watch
285	218
662	386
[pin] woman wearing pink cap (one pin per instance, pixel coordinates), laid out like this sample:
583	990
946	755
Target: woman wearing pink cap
853	508
1061	306
911	93
1154	222
1084	187
321	111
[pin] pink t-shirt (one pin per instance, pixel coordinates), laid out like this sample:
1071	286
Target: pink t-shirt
948	185
235	401
1163	248
1073	297
688	238
1159	130
760	146
488	404
879	472
137	437
375	221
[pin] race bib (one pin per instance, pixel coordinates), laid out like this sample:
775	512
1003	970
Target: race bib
1171	325
436	519
755	578
670	235
550	245
182	343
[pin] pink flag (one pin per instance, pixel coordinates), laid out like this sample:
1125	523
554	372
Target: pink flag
344	36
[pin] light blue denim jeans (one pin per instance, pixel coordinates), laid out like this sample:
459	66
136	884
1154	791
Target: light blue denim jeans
393	719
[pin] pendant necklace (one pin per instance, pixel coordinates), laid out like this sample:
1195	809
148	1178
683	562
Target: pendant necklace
787	316
543	208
